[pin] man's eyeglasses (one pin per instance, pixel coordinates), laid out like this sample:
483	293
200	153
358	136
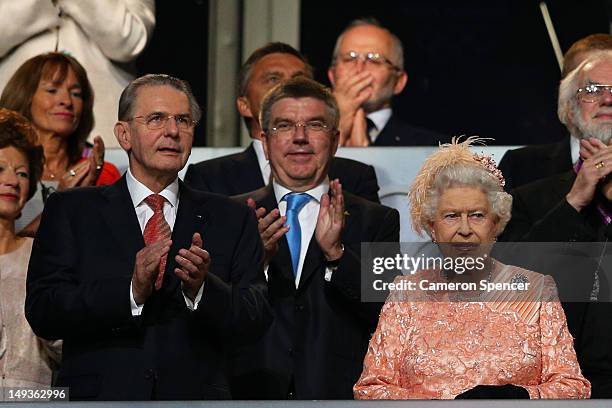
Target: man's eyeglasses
289	128
155	121
593	92
370	58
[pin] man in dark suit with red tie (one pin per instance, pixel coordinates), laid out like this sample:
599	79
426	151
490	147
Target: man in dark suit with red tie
147	281
312	232
249	170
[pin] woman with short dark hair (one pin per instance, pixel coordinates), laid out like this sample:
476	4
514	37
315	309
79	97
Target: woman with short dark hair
25	360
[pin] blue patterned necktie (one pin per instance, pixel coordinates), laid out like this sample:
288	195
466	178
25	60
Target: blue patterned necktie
295	202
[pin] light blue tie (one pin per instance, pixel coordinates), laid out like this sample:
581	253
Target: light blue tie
295	202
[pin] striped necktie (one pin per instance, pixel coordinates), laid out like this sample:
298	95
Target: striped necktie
157	229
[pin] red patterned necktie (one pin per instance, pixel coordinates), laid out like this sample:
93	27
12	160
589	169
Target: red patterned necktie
157	229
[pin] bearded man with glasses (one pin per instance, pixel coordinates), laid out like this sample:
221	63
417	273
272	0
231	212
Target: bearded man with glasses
366	72
574	208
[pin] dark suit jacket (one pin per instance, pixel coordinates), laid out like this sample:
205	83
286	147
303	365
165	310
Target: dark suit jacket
239	173
541	213
531	163
399	133
315	346
78	290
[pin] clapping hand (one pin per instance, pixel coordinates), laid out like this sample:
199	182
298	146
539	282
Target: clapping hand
271	228
330	222
86	172
596	167
146	269
194	263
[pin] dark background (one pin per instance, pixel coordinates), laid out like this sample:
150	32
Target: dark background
474	66
179	47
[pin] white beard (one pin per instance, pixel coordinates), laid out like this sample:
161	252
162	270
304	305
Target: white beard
601	131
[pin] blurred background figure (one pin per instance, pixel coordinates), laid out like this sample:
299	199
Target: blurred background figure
447	344
367	71
104	35
53	91
25	360
249	170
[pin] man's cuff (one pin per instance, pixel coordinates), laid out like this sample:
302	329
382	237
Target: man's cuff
329	271
193	305
136	310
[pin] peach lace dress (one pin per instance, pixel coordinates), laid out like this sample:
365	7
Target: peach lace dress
439	349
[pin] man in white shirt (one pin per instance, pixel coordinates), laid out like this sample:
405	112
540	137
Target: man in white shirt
312	233
147	281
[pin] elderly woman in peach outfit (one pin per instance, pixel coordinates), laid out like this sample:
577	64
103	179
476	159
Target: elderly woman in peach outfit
469	344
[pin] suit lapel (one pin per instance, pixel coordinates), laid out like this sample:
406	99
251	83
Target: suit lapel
246	171
120	217
385	137
282	260
190	217
313	261
560	157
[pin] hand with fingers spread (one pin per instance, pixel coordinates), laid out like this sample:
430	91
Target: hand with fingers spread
194	264
359	134
594	169
330	222
146	269
351	91
271	228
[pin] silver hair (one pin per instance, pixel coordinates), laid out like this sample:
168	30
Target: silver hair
567	103
467	175
397	48
129	94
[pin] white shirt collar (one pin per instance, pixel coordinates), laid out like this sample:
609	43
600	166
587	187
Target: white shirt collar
138	191
575	148
380	117
264	165
316	193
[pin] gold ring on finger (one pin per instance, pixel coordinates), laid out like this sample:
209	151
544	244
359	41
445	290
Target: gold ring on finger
600	165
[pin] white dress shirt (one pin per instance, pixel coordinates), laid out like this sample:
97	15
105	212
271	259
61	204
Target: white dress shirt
574	149
380	119
138	193
264	165
307	216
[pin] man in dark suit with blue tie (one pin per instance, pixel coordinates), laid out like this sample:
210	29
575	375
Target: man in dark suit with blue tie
249	170
147	281
312	232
